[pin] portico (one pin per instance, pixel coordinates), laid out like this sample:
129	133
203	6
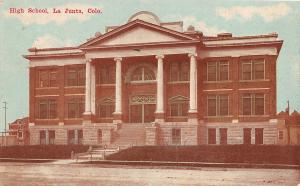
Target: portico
154	102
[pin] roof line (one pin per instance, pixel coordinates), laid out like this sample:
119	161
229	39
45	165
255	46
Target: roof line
128	25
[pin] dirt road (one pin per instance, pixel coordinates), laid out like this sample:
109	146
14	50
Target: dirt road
75	174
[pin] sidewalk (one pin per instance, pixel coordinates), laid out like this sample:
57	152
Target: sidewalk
157	164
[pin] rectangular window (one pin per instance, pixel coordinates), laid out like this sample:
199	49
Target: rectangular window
185	71
247	71
44	79
223	136
259	69
253	69
71	137
179	109
53	79
218	105
223	70
179	71
52	109
259	136
218	70
259	104
47	109
280	135
75	76
106	110
81	77
43	110
176	136
212	106
71	78
212	136
42	137
253	104
20	134
247	136
48	78
107	74
75	108
212	71
72	110
51	137
247	104
174	74
223	105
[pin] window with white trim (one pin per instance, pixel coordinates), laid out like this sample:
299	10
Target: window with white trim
142	74
105	108
48	78
253	69
253	104
217	70
75	108
179	106
179	71
107	74
75	76
47	109
218	105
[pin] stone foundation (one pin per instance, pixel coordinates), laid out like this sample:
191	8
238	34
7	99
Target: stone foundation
235	133
90	133
191	133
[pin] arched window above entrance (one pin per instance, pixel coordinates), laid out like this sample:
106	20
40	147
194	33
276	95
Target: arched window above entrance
142	74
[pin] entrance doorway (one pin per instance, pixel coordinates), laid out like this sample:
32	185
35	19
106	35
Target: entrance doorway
142	109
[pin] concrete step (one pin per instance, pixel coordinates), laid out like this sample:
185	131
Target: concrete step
130	134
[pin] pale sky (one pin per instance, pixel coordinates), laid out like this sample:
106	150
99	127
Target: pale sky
18	32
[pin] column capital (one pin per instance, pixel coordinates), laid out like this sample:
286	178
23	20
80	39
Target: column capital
159	56
88	60
192	55
117	59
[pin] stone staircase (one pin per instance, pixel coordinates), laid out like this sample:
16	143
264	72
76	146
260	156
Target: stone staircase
95	153
129	134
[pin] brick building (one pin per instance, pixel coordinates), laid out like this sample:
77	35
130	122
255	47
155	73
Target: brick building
19	128
288	128
149	82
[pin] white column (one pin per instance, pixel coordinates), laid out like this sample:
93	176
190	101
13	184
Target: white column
93	90
160	85
118	108
193	83
88	87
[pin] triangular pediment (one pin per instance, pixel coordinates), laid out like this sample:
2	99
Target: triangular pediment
137	32
139	35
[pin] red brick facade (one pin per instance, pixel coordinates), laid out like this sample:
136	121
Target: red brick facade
235	85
